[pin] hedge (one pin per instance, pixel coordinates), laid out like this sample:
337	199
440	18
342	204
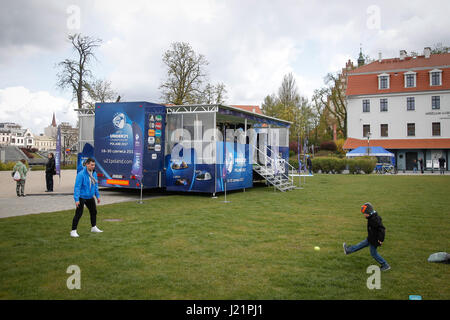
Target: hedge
328	165
10	165
362	164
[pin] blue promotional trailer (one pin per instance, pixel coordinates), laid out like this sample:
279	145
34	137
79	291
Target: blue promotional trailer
199	148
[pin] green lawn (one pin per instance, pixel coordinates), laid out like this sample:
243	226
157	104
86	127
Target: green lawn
258	246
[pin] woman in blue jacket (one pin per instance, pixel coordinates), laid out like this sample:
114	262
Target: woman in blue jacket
86	187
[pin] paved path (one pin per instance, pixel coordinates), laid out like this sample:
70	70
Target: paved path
36	200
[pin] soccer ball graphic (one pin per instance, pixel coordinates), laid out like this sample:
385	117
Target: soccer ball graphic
119	120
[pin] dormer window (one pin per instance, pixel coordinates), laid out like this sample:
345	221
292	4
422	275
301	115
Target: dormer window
383	81
435	77
410	79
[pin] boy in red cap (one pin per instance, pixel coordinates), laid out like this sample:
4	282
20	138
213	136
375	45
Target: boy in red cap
375	238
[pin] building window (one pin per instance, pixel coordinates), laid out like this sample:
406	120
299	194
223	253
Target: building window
384	130
435	102
366	130
366	105
435	77
436	128
411	129
410	104
383	105
383	81
410	80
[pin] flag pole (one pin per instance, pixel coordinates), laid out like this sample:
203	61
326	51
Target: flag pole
140	199
225	169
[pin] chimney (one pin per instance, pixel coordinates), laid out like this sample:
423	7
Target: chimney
402	54
379	56
427	52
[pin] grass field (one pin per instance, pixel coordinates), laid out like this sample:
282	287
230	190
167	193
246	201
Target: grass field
258	246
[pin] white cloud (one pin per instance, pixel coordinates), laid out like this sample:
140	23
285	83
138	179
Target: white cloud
34	110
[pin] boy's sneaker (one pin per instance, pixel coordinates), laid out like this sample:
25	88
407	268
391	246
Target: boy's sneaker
74	234
95	229
386	267
344	245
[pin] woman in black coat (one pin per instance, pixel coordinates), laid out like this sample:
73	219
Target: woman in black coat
50	170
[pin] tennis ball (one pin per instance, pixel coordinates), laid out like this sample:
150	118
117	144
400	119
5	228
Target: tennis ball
317	248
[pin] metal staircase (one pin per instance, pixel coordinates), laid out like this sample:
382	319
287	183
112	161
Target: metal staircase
275	171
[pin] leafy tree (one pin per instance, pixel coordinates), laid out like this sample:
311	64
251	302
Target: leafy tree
186	74
291	106
270	105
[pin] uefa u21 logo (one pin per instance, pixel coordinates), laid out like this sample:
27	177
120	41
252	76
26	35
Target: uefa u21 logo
119	120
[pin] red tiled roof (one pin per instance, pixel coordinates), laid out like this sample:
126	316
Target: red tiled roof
442	59
352	143
367	82
249	108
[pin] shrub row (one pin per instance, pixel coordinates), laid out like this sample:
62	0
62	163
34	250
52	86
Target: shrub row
328	165
337	165
10	165
362	164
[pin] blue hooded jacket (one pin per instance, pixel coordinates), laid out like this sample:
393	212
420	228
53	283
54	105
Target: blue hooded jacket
83	188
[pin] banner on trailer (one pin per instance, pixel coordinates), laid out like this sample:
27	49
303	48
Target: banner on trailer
127	141
58	152
236	168
136	168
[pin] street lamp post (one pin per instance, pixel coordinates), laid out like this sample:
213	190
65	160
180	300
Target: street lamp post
368	144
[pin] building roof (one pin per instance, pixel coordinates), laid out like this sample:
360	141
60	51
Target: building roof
255	109
352	143
53	121
364	80
435	60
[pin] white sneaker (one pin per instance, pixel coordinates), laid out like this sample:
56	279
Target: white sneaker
95	229
74	234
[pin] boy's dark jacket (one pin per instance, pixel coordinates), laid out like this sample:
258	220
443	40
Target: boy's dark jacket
375	229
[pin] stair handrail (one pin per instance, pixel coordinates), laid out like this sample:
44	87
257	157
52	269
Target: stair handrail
271	160
286	162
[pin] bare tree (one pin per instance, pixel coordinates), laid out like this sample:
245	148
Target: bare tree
185	75
75	73
213	94
288	93
100	91
333	98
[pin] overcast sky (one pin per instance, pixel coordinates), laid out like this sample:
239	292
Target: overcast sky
250	45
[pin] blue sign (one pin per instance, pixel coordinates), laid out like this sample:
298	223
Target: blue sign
122	146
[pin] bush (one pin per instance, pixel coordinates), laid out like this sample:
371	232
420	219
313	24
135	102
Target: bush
294	163
7	166
27	153
339	145
316	164
328	165
340	165
368	164
364	164
328	145
291	153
